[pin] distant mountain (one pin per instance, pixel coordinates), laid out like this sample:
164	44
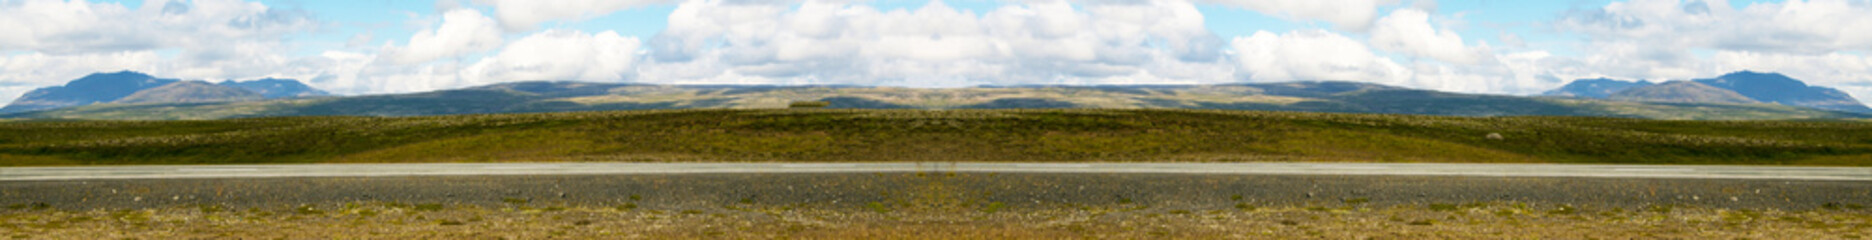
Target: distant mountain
1600	88
555	89
861	103
1777	88
90	89
1011	103
1682	91
128	87
273	88
1318	89
1759	87
190	92
1346	97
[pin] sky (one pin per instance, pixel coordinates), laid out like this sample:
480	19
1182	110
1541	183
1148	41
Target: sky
1471	46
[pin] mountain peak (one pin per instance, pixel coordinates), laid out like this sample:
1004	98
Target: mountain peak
1754	79
1682	91
1766	87
1781	89
90	89
272	88
1595	88
189	91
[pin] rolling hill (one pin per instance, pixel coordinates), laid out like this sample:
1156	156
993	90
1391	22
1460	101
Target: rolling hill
1600	88
1343	97
189	92
1682	91
274	88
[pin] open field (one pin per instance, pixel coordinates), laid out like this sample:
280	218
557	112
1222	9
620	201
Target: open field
519	221
952	135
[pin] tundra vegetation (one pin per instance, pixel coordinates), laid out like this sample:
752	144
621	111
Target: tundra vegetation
836	135
1497	220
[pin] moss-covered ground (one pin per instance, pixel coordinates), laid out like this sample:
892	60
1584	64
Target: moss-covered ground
920	135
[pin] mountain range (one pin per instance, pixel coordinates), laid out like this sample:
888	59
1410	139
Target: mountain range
1737	87
128	87
152	98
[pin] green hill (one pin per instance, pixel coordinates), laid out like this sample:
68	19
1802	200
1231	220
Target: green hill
1682	91
1345	97
189	92
834	135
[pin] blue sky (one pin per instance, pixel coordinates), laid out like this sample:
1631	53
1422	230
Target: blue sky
1477	46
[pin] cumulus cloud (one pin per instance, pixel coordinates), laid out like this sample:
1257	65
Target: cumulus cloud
1408	31
78	27
463	31
1795	26
526	14
1045	42
1312	55
1309	55
561	55
1354	15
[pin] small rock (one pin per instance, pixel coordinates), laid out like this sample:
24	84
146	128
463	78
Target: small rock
1494	136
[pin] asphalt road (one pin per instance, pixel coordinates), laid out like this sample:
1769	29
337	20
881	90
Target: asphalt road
711	186
546	169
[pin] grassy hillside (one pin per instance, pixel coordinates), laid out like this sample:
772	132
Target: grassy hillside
1682	91
952	135
1347	97
190	91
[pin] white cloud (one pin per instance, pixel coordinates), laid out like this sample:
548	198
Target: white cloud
1408	31
561	55
526	14
1796	26
1312	55
463	31
78	27
1353	15
1043	42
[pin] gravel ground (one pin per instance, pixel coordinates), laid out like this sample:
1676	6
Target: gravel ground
974	205
1017	190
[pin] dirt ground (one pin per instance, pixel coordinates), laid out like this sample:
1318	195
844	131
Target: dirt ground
518	220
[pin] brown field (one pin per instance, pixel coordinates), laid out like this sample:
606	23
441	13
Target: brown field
748	221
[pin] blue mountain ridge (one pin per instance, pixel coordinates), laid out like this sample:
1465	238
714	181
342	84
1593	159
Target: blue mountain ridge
1762	87
99	88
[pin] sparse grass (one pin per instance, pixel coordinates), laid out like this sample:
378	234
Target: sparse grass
792	222
953	135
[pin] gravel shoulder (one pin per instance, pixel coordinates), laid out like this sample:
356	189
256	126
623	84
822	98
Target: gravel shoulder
936	204
854	189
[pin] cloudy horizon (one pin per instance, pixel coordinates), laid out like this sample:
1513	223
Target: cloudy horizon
1495	47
